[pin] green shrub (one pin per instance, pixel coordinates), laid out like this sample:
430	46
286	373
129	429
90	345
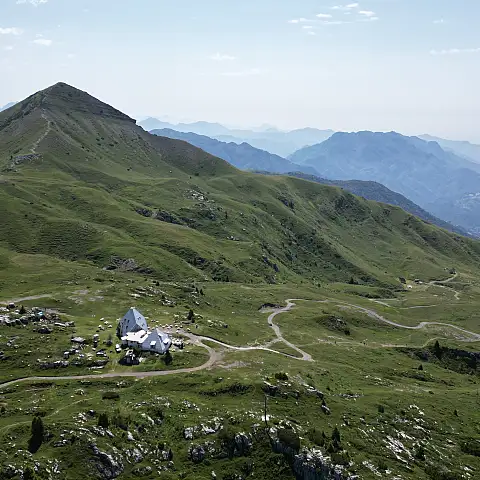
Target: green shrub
110	396
420	454
289	438
471	447
281	376
317	437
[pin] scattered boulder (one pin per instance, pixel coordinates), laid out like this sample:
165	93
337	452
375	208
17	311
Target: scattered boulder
270	389
326	410
45	330
243	444
196	454
188	433
142	471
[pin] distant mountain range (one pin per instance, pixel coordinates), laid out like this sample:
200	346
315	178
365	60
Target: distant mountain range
439	181
243	156
269	139
8	105
467	150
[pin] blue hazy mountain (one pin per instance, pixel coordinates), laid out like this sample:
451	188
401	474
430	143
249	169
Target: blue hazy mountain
242	156
464	149
439	181
265	137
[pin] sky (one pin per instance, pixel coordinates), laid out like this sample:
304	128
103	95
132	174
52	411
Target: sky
412	66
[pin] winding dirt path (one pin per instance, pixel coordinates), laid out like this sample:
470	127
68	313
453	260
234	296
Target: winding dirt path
375	315
305	356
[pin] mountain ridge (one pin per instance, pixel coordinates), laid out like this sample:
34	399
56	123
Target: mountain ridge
242	156
272	140
466	149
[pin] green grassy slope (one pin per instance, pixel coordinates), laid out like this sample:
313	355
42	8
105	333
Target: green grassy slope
80	181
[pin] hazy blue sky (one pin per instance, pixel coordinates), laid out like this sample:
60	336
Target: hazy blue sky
406	65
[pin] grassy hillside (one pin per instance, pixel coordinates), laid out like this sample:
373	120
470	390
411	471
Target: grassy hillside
379	193
80	181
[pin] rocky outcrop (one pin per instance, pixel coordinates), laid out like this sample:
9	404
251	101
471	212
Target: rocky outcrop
243	444
312	465
109	466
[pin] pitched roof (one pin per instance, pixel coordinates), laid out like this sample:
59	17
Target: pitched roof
133	320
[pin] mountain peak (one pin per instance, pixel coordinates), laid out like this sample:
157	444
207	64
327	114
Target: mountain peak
67	98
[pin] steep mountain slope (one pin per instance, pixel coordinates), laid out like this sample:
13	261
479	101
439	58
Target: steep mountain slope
242	156
438	181
269	139
80	181
468	150
379	193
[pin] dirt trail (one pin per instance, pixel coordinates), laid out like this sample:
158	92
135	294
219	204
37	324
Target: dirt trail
475	337
25	299
44	135
305	356
441	284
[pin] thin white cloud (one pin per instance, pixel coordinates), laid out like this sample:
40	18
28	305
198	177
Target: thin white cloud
324	15
11	31
35	3
454	51
71	55
307	27
350	6
310	32
298	20
367	13
221	57
244	73
335	22
8	48
44	42
440	21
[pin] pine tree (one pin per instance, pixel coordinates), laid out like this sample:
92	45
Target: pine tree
168	358
103	420
38	431
336	434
